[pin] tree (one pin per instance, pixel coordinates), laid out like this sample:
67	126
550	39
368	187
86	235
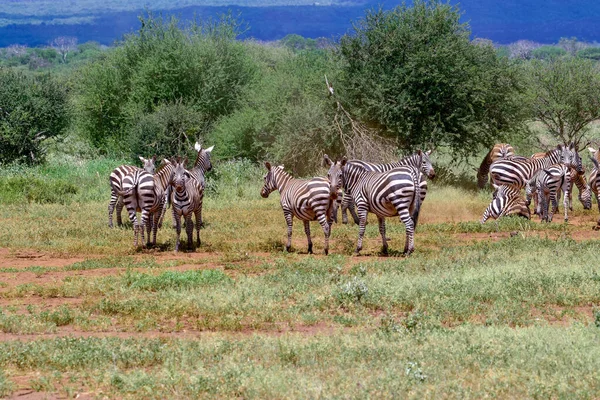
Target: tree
591	53
571	45
63	45
414	73
522	49
564	96
32	108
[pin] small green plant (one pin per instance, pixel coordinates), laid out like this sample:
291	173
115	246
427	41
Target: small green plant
353	291
597	317
414	371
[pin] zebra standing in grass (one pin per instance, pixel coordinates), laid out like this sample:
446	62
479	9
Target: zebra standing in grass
548	184
499	151
517	171
306	199
585	195
506	200
201	166
116	185
185	201
145	192
595	182
386	194
418	160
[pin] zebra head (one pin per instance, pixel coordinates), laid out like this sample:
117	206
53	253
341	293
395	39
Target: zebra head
571	158
270	184
148	164
334	175
426	166
203	157
180	175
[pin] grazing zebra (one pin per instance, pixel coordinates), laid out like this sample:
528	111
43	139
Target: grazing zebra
418	160
185	201
499	151
386	194
506	200
548	184
145	192
306	199
585	195
116	180
517	171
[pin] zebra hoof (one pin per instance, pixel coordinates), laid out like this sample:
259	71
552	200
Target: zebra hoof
288	248
310	249
384	252
326	252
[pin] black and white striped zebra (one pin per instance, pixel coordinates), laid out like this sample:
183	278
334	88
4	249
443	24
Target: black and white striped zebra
185	202
517	171
386	194
507	200
145	192
548	184
594	181
116	185
585	194
418	160
306	199
201	166
499	151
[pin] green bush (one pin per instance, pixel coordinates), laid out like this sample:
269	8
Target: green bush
32	108
548	52
160	74
592	53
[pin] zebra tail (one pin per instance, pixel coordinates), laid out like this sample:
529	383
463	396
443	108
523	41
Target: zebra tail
484	170
417	197
127	192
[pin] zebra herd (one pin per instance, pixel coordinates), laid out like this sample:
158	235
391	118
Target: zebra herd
149	190
386	190
544	176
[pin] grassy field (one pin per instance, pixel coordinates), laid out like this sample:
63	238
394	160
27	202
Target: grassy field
504	309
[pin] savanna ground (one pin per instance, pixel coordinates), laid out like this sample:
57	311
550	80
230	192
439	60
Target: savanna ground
503	309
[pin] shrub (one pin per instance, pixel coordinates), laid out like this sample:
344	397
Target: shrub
32	108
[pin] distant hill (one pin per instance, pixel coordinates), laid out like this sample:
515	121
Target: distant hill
36	22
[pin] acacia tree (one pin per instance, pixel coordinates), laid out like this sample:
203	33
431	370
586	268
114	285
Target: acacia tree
564	96
63	45
414	73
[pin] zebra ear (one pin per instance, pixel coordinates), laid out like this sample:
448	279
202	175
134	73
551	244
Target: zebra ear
268	165
428	152
210	149
142	159
183	162
327	161
344	161
153	159
166	161
419	152
198	146
591	150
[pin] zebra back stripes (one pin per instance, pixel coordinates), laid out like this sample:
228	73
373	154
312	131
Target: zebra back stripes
419	160
116	180
517	171
306	199
499	151
506	200
386	194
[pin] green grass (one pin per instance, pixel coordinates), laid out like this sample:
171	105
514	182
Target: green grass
474	312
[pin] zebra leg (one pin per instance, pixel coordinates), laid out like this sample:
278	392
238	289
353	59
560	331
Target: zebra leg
353	212
177	223
162	211
155	220
189	229
307	231
119	210
326	230
111	207
405	217
288	220
566	203
346	202
198	214
362	211
384	249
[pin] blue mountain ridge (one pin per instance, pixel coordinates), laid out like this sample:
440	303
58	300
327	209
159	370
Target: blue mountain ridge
544	21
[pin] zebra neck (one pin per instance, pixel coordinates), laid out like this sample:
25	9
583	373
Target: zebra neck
411	161
161	177
281	178
579	181
351	178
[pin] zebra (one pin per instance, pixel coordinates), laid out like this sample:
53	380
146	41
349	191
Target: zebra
548	184
386	194
201	166
116	180
418	160
517	171
145	192
585	194
185	201
499	151
506	200
306	199
595	184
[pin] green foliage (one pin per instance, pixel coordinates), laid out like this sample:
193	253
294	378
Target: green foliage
563	94
175	280
414	72
162	74
592	53
548	52
32	108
